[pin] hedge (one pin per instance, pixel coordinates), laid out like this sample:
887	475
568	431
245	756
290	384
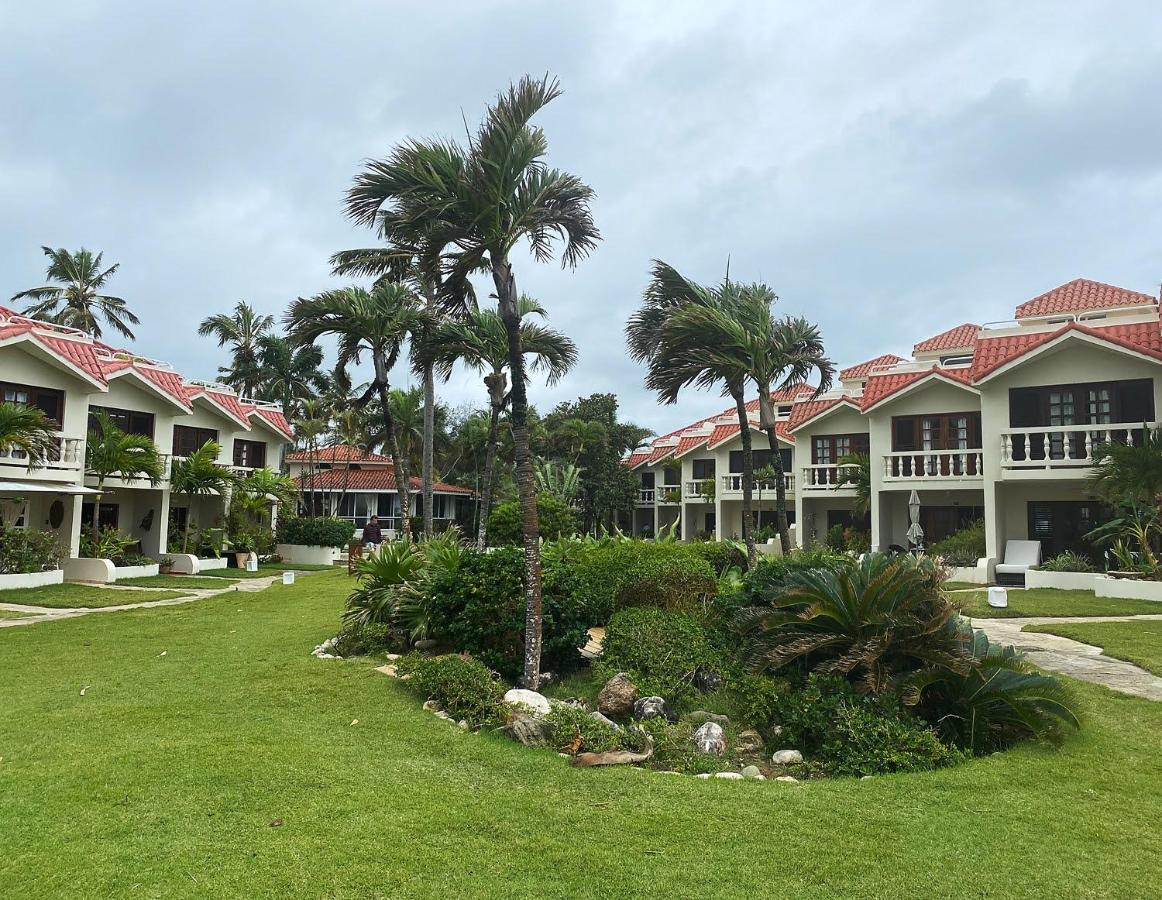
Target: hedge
316	531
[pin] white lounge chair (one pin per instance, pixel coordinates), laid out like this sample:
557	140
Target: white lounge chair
1020	557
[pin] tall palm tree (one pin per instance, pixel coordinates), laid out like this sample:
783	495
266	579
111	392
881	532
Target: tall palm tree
287	374
376	322
483	201
481	343
681	354
198	475
243	330
110	451
74	298
27	430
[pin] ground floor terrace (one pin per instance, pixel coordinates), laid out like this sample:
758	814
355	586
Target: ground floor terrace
199	750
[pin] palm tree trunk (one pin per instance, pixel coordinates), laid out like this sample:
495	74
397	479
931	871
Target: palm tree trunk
489	474
186	530
429	448
506	294
747	479
95	530
780	492
402	485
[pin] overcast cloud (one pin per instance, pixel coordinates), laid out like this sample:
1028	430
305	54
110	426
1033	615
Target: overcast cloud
890	169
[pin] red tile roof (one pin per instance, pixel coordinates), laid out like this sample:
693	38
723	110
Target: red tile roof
229	404
276	418
1079	295
337	453
369	480
992	353
862	370
880	387
636	458
659	453
686	444
804	412
962	337
78	353
167	381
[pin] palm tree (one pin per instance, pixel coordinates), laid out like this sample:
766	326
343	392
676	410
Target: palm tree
27	430
683	350
242	330
376	322
1125	472
286	374
481	343
74	299
350	430
110	451
578	434
311	424
854	471
198	475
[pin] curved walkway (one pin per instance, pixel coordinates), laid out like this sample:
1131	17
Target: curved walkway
1073	658
50	613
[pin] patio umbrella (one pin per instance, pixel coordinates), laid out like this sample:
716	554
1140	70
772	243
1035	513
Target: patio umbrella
915	532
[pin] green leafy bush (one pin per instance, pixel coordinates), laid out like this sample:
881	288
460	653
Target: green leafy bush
479	607
358	639
461	686
721	555
764	584
555	517
1068	562
835	540
576	730
114	546
27	550
376	598
316	531
640	573
964	547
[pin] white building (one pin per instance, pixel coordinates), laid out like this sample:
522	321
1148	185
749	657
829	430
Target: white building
994	422
71	377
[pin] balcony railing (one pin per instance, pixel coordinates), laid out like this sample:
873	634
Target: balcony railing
669	494
732	484
824	477
645	495
68	455
1064	446
699	489
933	465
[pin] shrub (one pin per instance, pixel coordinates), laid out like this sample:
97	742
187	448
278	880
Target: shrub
358	639
27	550
316	531
459	685
722	555
964	547
555	517
639	573
376	598
857	541
574	730
1068	562
480	608
112	545
835	540
764	584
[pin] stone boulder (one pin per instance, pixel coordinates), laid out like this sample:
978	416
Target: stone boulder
753	772
616	698
604	720
709	738
730	776
748	742
528	730
653	708
538	704
787	758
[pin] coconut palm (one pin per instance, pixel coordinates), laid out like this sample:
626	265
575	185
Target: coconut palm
287	374
481	343
28	431
74	298
199	475
110	451
376	322
262	487
242	330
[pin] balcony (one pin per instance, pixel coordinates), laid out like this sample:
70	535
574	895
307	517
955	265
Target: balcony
69	456
669	495
731	486
822	477
699	490
1053	451
944	466
645	497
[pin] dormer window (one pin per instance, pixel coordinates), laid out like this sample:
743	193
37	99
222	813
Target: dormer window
784	412
956	360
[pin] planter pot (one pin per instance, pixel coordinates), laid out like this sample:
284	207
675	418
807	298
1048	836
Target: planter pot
1066	581
1127	589
307	554
31	579
240	559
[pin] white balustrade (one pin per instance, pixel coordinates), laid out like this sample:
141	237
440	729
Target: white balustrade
69	454
1063	446
825	476
732	484
933	465
645	495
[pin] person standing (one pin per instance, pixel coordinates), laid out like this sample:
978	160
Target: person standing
372	534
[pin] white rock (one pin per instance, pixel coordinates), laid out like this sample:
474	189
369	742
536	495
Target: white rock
732	776
393	657
537	703
668	772
787	778
709	738
703	775
462	724
866	777
752	772
431	706
787	758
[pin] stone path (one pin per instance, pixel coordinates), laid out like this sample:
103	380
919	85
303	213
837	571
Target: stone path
47	613
1073	658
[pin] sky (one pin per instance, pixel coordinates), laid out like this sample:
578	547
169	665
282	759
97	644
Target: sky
890	170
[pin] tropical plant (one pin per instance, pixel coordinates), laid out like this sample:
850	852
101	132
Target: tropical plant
854	472
287	374
199	475
254	493
376	322
483	202
381	575
74	298
111	544
242	329
998	699
1068	562
963	547
554	519
28	431
562	481
1125	472
1134	533
110	451
316	531
442	554
873	622
25	550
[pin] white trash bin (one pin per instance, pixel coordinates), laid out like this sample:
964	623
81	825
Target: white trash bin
288	577
998	597
252	562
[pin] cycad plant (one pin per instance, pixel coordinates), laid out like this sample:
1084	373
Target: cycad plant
199	475
376	598
1128	472
28	431
111	452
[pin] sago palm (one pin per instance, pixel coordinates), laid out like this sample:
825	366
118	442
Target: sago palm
242	330
198	475
377	323
480	203
28	431
75	297
111	452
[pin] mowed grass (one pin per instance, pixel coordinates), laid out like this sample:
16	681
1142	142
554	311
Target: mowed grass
13	614
268	570
75	596
179	581
1137	642
236	765
1053	602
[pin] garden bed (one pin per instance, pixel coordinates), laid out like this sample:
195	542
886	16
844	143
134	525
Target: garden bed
1128	588
305	554
1067	581
19	580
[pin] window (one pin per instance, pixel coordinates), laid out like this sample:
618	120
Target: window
704	468
671	475
831	448
947	431
760	460
186	440
647	479
249	454
1061	525
49	401
109	515
956	360
128	420
1099	403
784	412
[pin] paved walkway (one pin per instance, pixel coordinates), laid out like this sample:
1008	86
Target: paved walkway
47	613
1073	658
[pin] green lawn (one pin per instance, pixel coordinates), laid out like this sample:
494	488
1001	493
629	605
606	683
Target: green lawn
11	613
183	581
267	570
73	596
230	766
1053	602
1139	642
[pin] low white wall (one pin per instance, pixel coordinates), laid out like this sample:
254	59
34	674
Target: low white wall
85	568
1127	589
1066	581
213	562
183	563
31	579
135	571
305	554
969	574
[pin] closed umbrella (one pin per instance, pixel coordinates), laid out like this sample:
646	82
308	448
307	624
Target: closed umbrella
915	532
